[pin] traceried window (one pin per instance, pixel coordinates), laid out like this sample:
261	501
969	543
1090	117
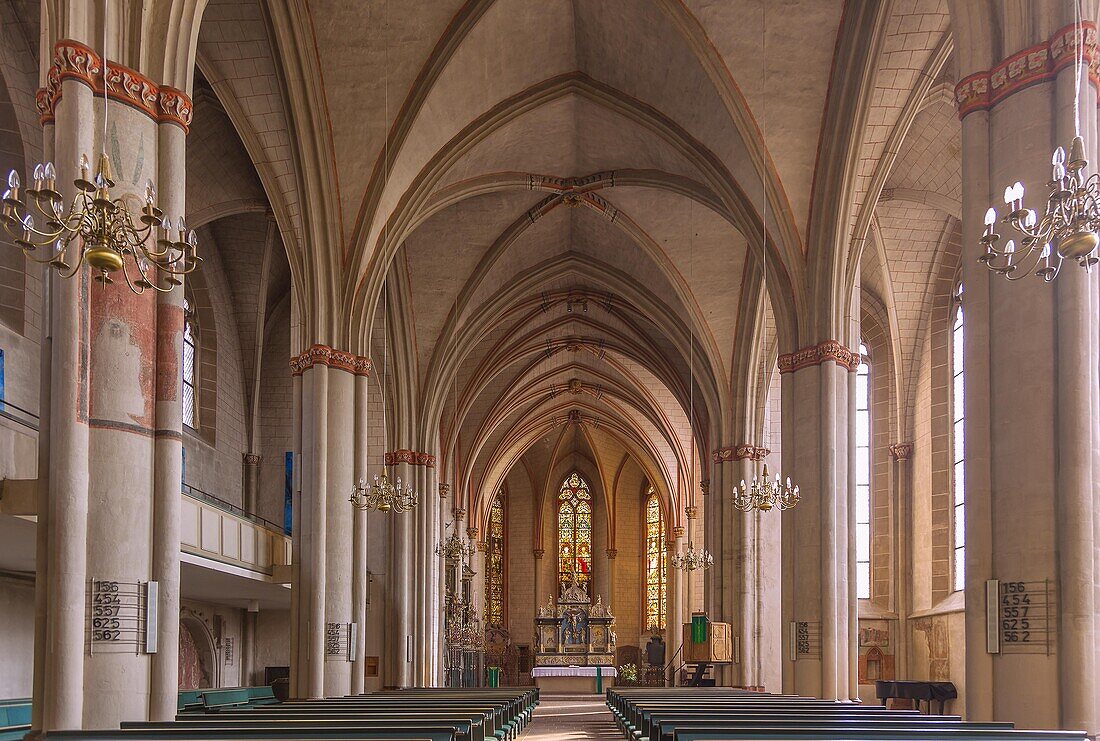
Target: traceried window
958	447
574	531
863	475
190	361
656	558
494	583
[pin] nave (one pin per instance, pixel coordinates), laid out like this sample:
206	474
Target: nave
364	348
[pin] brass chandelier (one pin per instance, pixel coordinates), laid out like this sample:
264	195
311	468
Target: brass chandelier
1066	231
101	228
383	495
1067	228
765	494
455	547
148	252
692	560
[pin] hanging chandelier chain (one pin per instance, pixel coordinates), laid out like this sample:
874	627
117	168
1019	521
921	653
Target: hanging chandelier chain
764	493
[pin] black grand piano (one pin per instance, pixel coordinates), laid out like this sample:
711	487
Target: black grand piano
918	690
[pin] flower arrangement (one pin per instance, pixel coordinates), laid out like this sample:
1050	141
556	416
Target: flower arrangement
628	673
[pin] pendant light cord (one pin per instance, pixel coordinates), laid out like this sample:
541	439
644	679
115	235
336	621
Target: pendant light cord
104	143
1078	61
386	281
764	219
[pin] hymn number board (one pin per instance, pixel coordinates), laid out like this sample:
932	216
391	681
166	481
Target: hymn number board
1025	616
120	618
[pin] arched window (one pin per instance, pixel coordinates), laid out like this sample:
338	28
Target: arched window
574	531
190	363
656	557
494	583
863	475
958	448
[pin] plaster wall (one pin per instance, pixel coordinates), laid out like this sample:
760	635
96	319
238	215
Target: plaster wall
272	640
276	405
214	454
519	530
17	637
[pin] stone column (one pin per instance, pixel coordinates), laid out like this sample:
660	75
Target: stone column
674	627
168	453
692	513
359	536
539	587
122	336
903	488
250	474
299	545
63	634
609	599
338	459
403	572
315	511
815	389
248	644
744	533
1030	502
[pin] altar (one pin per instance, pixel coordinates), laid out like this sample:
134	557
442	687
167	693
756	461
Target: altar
573	679
573	633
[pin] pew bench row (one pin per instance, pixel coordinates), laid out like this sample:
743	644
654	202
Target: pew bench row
721	714
400	715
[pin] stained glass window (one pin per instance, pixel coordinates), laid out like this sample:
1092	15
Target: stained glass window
190	361
574	531
863	476
656	556
957	448
494	583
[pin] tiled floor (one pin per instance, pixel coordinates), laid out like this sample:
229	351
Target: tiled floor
571	717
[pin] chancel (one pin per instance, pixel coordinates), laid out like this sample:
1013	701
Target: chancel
466	370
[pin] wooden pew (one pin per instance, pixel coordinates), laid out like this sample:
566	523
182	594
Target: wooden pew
15	719
726	715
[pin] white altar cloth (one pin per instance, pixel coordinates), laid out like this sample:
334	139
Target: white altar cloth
573	671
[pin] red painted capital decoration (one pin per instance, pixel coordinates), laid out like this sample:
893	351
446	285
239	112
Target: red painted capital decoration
818	354
1040	63
742	452
75	61
325	355
410	457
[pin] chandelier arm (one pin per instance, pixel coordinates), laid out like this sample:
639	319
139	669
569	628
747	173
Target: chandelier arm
76	267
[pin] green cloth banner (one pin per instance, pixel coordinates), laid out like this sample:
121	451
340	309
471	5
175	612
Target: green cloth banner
699	628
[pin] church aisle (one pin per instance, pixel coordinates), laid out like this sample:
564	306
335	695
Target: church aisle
571	717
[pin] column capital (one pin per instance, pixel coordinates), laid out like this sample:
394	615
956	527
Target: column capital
538	553
678	531
459	513
444	490
741	452
901	451
325	355
471	532
817	354
75	61
1042	62
253	459
691	511
411	457
482	546
704	487
612	553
